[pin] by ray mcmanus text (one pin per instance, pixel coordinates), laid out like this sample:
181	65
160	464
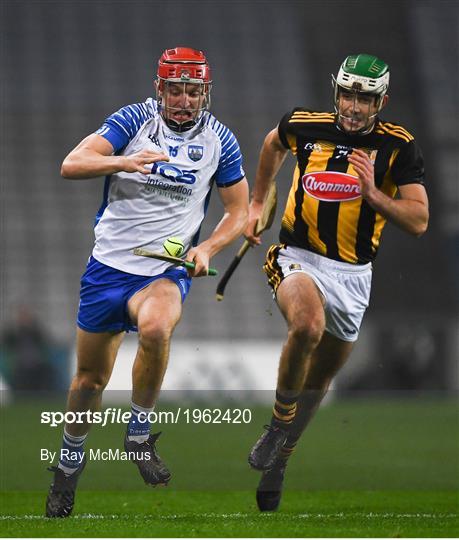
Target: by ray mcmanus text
110	454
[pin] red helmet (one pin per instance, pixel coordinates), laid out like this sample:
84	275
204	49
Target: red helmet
184	64
188	67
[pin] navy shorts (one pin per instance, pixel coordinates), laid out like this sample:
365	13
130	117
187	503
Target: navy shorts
105	292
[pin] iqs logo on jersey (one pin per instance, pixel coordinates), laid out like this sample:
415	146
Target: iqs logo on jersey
331	186
195	152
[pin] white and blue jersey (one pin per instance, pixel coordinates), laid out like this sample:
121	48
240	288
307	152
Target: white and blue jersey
143	210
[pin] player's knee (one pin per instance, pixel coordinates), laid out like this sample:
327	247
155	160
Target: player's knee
154	333
308	333
91	382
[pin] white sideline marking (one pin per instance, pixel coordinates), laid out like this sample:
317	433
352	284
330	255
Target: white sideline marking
385	515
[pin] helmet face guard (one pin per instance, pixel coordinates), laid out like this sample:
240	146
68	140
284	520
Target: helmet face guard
364	79
183	72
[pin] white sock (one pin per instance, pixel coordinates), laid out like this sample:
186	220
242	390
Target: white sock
139	431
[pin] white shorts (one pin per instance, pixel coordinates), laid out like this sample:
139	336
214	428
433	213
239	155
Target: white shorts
345	287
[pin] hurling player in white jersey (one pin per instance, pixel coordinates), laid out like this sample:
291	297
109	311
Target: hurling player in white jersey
160	159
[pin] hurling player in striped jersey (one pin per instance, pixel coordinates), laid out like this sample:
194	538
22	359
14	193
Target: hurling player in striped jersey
350	167
160	159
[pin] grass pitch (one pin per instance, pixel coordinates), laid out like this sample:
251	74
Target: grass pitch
364	469
234	514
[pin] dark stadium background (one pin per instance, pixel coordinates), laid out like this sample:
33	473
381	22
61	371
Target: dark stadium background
67	65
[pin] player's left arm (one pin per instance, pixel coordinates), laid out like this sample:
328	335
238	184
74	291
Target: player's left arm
410	212
235	199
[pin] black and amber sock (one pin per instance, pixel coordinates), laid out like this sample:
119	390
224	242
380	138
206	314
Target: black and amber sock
287	450
284	410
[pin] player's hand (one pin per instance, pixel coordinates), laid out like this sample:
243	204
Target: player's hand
365	170
255	211
137	162
201	258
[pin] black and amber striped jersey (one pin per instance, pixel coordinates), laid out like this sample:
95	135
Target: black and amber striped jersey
325	212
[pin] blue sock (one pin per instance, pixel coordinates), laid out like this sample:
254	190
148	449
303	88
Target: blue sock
137	430
72	453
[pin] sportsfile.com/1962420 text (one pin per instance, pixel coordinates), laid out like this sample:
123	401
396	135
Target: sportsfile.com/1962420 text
113	415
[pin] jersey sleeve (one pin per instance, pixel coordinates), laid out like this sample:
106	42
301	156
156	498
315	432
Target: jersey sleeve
229	170
408	167
284	129
120	127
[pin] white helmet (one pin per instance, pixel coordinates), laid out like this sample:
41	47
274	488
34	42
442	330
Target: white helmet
362	74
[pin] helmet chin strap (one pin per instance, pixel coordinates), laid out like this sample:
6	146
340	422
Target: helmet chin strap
179	127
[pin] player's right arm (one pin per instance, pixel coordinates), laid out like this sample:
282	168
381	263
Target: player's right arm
94	157
272	155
